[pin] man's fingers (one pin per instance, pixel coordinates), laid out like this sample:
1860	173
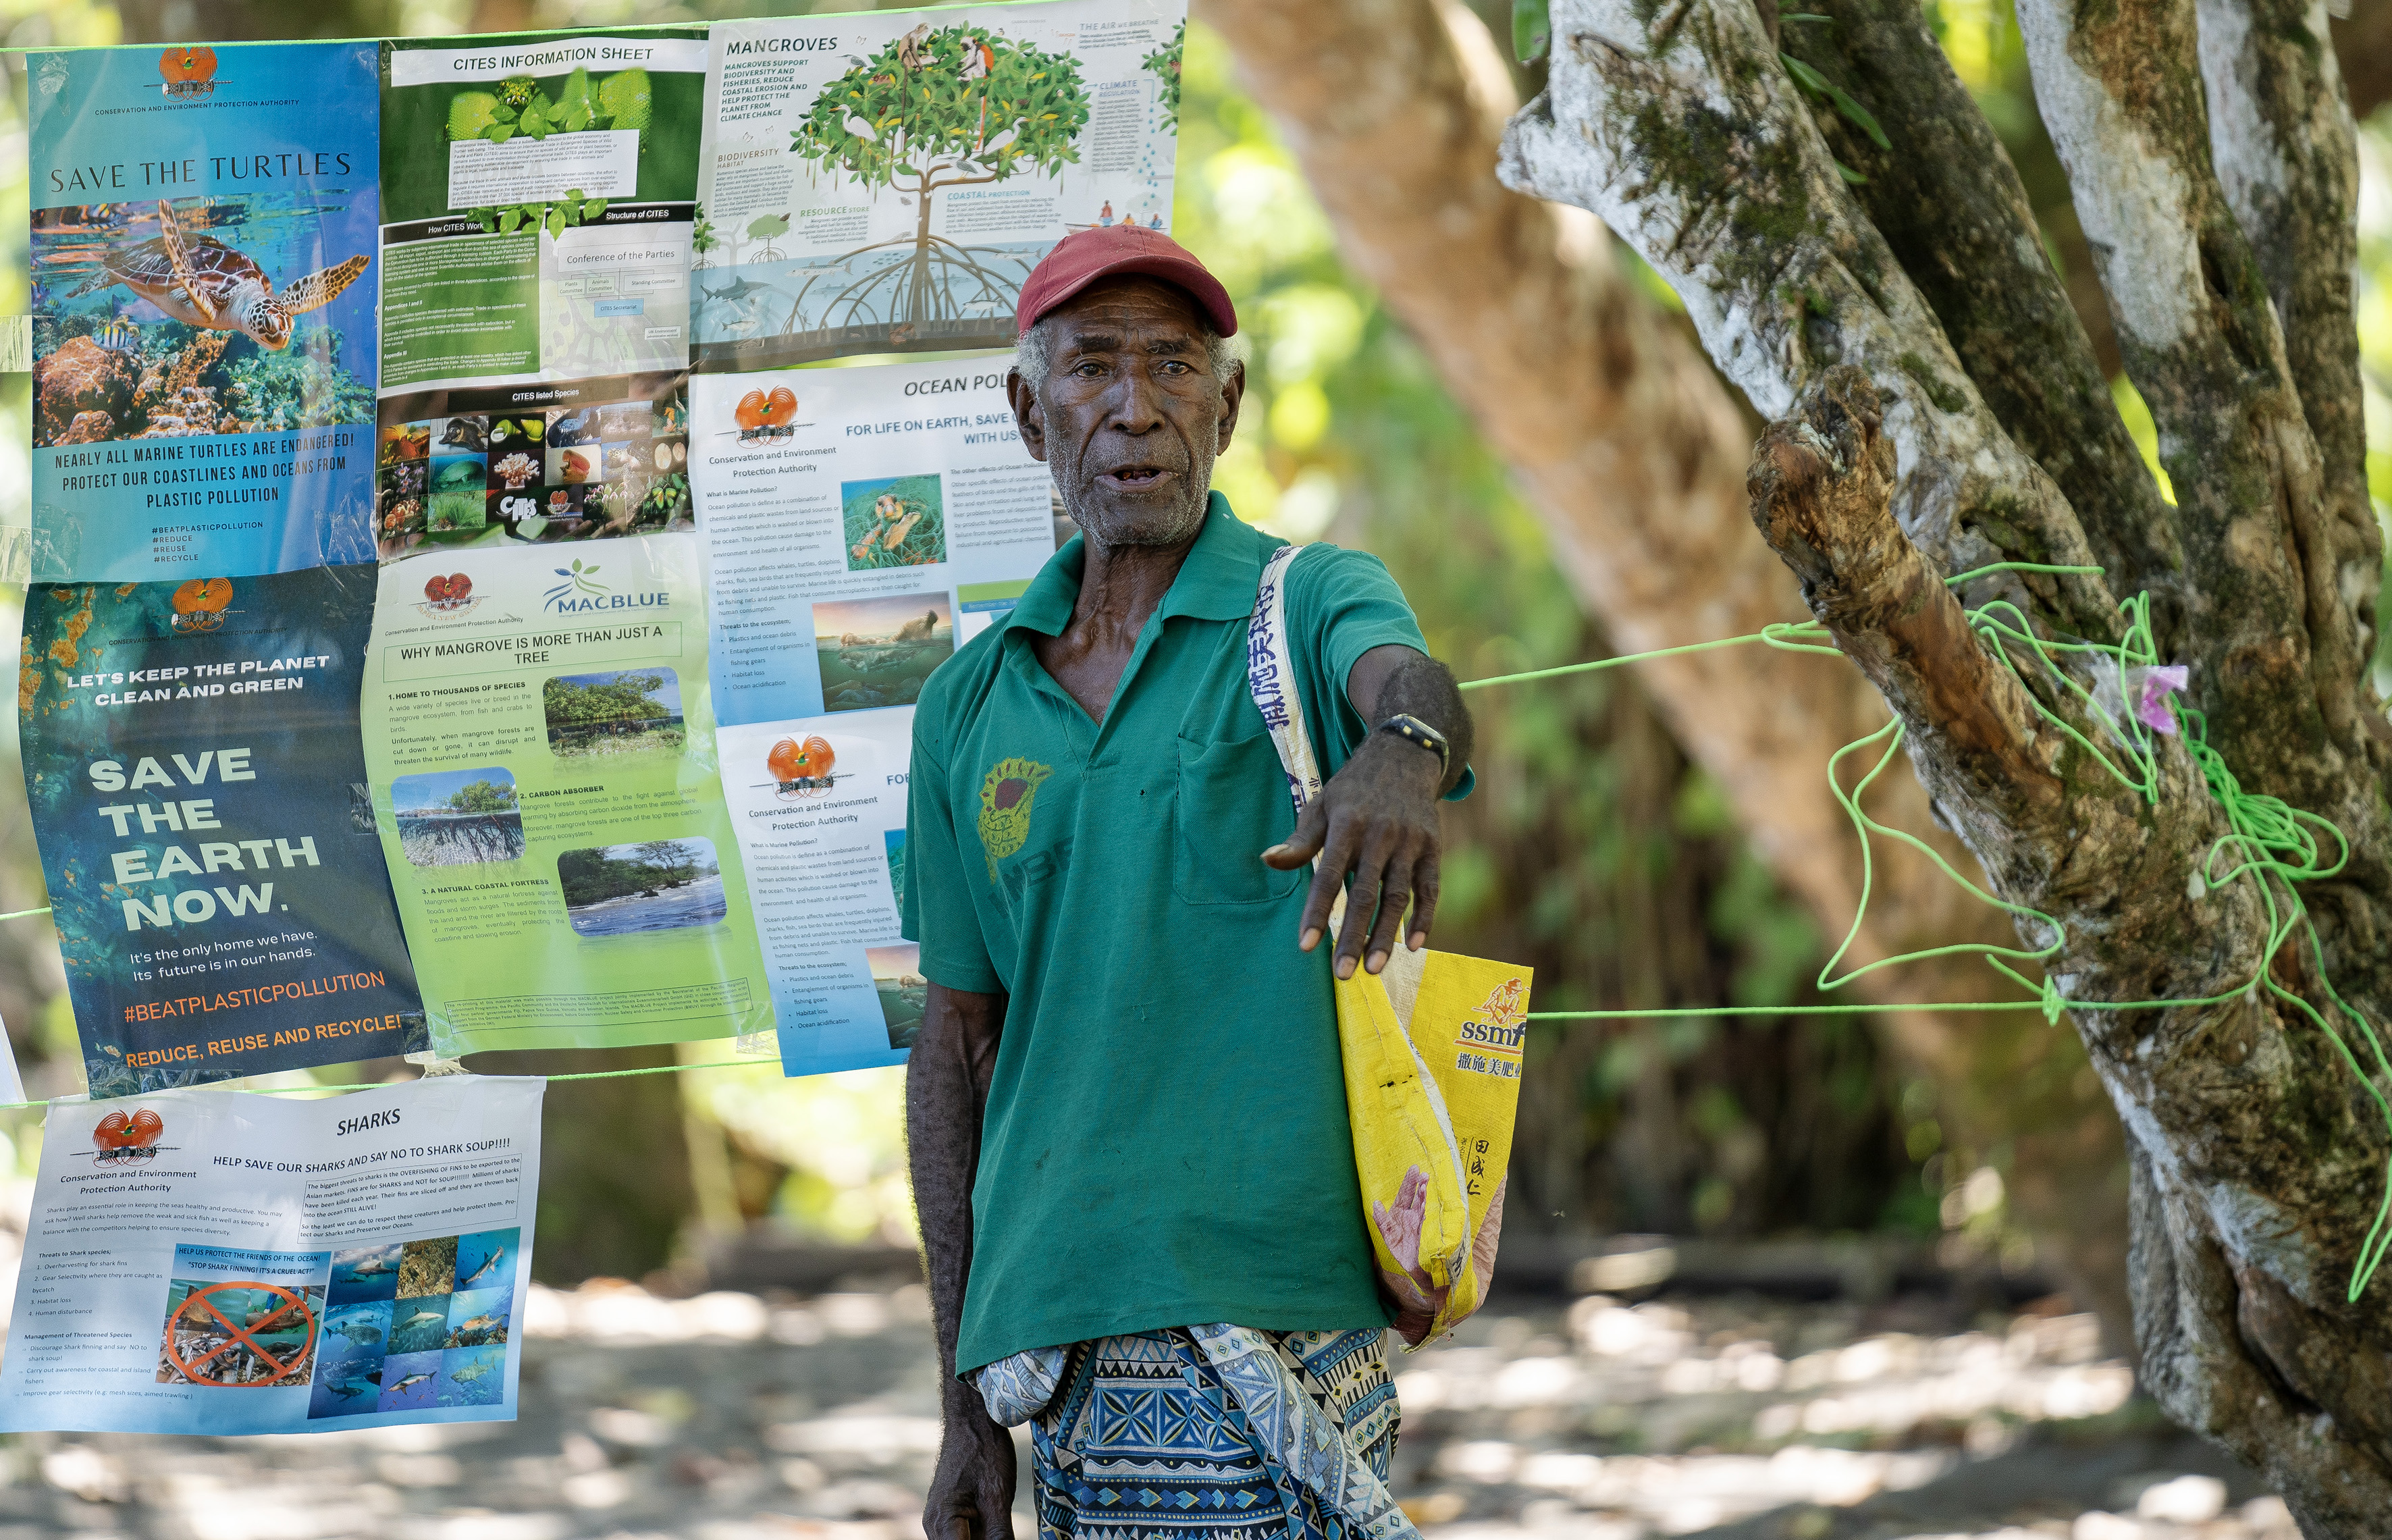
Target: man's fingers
1395	897
1311	828
1336	859
1423	899
1362	904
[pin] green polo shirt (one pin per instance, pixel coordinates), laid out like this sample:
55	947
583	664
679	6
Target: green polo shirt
1166	1142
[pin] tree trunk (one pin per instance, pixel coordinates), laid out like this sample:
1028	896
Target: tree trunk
1633	456
1932	392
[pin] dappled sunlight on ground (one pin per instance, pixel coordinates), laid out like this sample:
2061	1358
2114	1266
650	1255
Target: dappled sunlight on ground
728	1416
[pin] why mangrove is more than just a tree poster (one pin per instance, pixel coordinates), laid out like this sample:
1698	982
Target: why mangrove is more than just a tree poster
543	767
204	314
861	524
883	181
538	200
194	772
221	1262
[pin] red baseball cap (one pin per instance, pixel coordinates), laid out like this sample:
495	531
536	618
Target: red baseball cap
1084	256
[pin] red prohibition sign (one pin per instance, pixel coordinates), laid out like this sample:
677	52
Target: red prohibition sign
244	1334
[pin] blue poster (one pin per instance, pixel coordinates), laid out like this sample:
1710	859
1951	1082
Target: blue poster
204	224
198	784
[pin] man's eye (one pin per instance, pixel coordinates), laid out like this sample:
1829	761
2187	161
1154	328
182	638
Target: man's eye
1088	367
1175	366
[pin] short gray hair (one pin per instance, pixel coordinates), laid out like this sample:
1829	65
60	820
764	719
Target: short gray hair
1033	354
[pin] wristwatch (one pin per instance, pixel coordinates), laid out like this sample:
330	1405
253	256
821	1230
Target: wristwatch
1411	729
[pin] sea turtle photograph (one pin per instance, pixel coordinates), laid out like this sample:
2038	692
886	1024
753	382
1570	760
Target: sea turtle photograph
201	316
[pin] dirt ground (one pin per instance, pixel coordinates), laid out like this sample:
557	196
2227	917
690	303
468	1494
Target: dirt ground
733	1417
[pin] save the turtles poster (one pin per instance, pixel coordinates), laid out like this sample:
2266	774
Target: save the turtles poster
202	233
198	789
883	181
538	199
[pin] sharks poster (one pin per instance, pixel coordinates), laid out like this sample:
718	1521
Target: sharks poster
537	198
883	181
198	786
222	1262
202	237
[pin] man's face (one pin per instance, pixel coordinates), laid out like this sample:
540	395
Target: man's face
1130	416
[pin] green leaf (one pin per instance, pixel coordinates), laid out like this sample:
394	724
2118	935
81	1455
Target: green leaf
499	133
1804	76
509	220
556	222
594	208
1849	175
1859	115
503	113
1532	28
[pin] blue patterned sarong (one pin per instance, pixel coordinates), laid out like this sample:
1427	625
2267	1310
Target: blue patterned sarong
1207	1433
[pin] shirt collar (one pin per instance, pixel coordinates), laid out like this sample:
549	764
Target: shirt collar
1216	581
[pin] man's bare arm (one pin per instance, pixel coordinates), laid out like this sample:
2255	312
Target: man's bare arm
946	1095
1376	819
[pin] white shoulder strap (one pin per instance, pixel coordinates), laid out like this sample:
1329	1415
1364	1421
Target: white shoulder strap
1270	674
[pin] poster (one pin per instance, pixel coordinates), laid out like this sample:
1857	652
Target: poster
193	770
537	198
882	181
203	309
860	524
842	511
819	807
542	757
218	1262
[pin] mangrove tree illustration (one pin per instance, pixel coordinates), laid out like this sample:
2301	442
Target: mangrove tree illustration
936	110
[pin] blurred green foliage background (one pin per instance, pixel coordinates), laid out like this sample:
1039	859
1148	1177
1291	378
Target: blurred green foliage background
1593	849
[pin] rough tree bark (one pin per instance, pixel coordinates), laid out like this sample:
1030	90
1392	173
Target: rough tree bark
1632	457
1935	417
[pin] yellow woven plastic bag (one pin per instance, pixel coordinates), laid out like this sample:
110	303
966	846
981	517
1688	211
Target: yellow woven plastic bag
1432	1047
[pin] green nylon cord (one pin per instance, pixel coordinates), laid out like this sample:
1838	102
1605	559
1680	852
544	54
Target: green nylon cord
2275	844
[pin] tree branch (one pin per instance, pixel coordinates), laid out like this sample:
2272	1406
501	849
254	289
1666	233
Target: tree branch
1683	133
2277	648
2287	158
1953	210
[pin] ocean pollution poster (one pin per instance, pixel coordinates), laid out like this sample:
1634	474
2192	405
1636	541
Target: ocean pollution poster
883	181
539	197
196	779
842	511
222	1262
203	226
542	749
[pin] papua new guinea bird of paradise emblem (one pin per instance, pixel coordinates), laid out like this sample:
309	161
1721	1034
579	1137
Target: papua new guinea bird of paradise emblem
1006	795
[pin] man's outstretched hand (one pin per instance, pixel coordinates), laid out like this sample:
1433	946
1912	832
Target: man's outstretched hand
1377	820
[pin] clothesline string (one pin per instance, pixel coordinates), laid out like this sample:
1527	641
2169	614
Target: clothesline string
2276	844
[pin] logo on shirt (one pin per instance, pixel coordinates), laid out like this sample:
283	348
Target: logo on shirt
1006	795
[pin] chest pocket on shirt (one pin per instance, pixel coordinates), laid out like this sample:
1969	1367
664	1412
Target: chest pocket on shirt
1232	803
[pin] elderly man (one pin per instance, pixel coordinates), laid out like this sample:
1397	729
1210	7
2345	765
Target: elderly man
1126	1109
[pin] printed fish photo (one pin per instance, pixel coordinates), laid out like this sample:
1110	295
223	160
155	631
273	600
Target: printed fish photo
877	652
228	314
365	1273
239	1333
656	885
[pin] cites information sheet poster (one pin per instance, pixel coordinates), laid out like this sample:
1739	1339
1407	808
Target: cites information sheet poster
850	515
204	319
883	181
542	758
538	199
193	768
219	1262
